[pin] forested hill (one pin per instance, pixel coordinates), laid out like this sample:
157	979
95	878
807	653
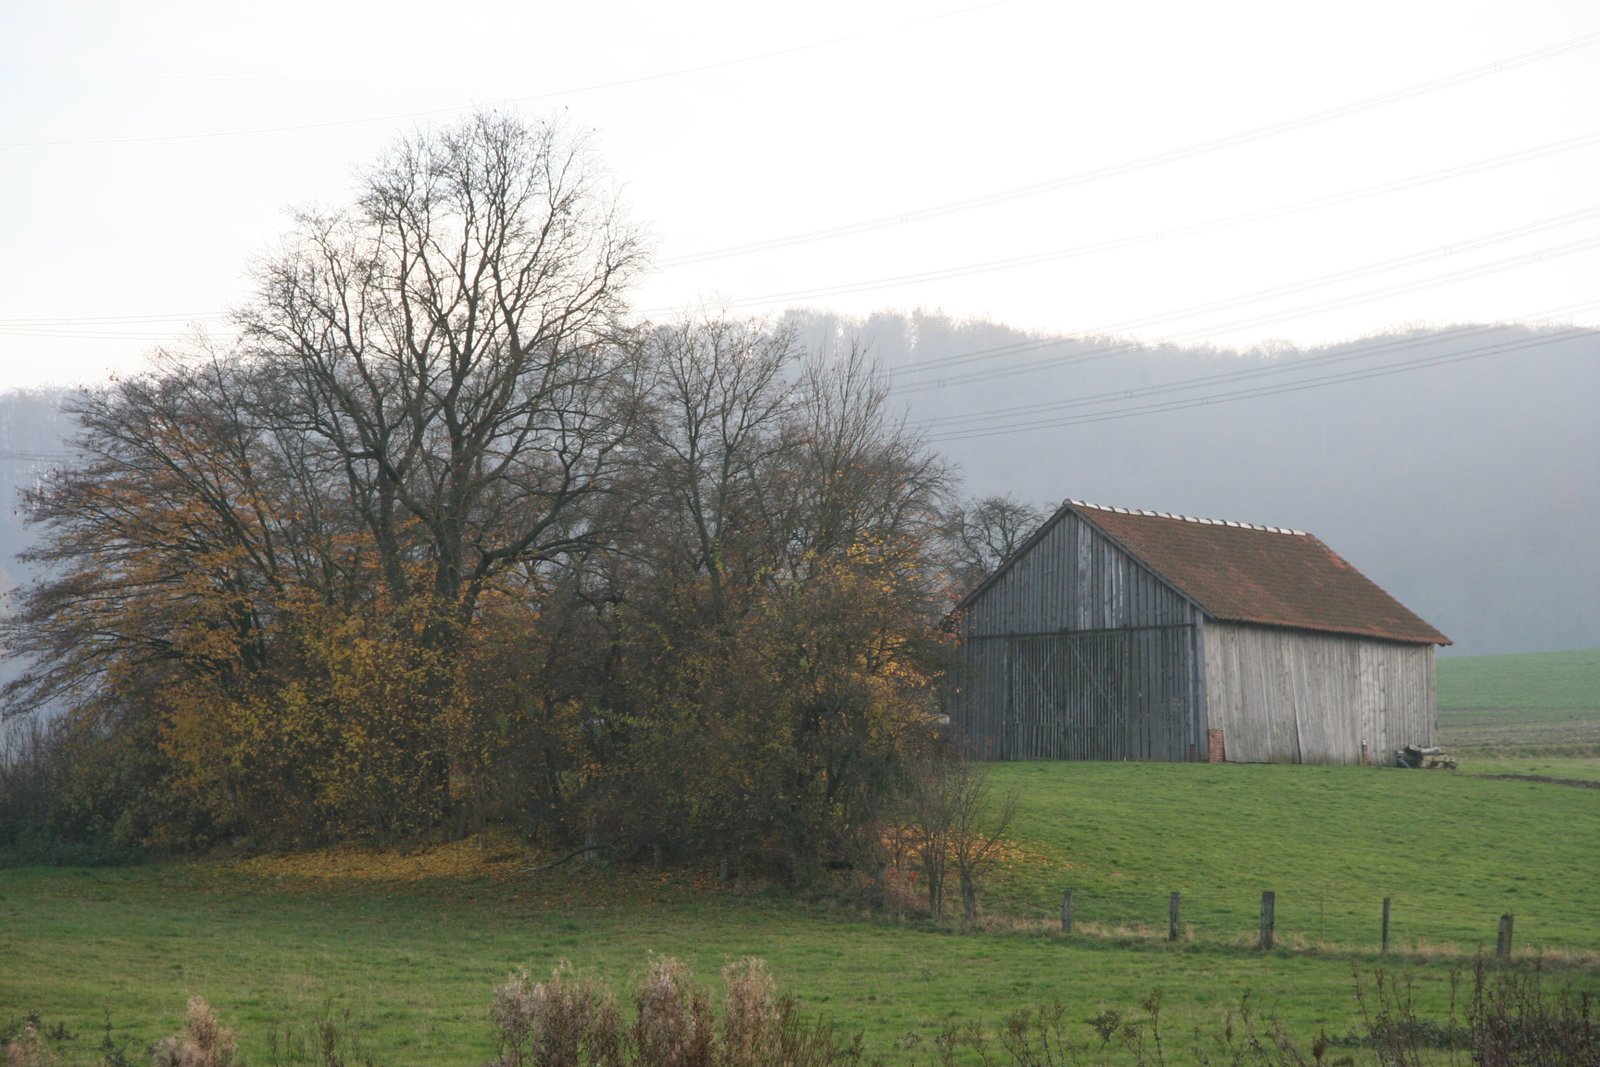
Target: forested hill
1467	485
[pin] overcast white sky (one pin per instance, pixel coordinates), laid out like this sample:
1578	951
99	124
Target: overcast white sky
1233	172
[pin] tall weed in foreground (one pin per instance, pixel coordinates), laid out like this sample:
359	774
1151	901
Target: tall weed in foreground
1509	1019
751	1014
564	1022
1515	1023
28	1048
570	1021
204	1042
329	1041
673	1026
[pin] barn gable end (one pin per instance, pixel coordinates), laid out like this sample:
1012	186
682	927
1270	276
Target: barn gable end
1076	650
1114	634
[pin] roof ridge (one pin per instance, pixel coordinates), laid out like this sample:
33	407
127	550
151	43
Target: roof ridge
1188	518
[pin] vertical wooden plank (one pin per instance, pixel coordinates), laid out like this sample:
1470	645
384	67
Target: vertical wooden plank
1172	917
1066	912
1386	924
1007	742
1269	903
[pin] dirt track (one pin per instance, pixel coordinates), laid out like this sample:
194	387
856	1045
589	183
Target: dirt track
1579	782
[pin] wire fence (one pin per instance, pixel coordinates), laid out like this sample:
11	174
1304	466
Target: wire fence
1313	919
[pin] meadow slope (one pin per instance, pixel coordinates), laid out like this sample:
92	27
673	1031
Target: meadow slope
410	944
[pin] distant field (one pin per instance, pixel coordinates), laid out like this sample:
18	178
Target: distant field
1539	705
411	944
1563	732
1527	681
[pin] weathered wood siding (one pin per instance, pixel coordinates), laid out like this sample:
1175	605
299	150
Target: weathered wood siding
1284	696
1077	651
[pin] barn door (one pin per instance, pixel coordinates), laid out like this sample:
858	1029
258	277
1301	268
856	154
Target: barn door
1096	669
1070	696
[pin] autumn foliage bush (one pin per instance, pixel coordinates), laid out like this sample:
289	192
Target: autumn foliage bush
341	739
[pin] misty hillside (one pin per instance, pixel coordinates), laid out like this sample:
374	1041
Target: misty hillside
32	432
1468	486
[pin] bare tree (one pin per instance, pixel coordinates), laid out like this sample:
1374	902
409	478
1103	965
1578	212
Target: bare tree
982	534
977	831
720	396
452	345
858	475
953	821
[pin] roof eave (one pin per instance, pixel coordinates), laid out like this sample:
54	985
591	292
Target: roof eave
1334	631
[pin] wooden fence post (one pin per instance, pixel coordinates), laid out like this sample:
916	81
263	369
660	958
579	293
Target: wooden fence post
1066	912
1385	924
1269	901
1502	945
1172	917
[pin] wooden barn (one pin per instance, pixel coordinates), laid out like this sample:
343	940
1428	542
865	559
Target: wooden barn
1114	634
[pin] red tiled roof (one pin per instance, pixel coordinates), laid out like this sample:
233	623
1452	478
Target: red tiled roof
1238	572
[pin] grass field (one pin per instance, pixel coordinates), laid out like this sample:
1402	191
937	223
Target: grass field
1523	681
1535	713
1453	851
413	964
410	945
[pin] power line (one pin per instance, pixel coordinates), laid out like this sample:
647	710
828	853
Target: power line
186	316
19	325
1248	394
103	327
1343	354
42	327
1366	270
1144	162
89	335
1355	273
456	109
1210	226
1383	292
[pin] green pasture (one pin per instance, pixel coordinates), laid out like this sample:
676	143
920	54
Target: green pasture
1534	713
1452	851
1521	681
412	958
407	947
413	966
